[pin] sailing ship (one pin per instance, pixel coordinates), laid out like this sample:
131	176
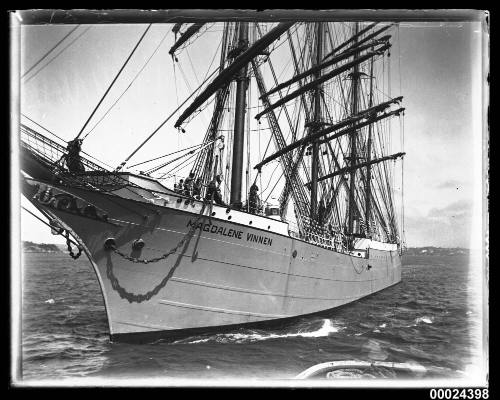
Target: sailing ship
209	251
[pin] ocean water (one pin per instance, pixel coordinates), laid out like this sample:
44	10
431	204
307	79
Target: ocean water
428	319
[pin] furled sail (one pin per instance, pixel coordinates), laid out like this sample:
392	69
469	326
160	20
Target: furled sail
192	30
363	114
360	42
323	65
228	73
350	40
356	127
360	165
323	79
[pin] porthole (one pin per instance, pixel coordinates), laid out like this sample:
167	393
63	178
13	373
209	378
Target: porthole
269	227
250	223
229	217
228	210
294	254
213	213
179	200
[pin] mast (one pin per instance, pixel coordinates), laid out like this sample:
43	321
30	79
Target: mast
352	157
239	122
358	166
317	117
368	159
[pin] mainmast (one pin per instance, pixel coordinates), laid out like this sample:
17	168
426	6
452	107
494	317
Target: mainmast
352	156
239	121
316	124
368	159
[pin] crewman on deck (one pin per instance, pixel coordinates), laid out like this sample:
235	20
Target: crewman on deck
254	203
214	191
321	213
188	184
180	186
197	188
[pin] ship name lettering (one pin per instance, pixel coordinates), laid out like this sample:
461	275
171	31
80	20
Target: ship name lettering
259	239
220	230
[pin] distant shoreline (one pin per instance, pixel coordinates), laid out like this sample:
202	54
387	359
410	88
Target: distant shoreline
436	251
31	247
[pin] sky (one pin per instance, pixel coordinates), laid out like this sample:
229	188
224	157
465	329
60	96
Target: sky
436	66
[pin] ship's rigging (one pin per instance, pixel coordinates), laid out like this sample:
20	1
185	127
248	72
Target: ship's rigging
328	121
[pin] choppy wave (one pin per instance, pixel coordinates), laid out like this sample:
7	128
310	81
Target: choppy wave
425	320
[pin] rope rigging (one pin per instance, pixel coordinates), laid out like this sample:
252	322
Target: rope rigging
113	82
179	166
166	155
163	123
191	152
57	55
50	51
129	85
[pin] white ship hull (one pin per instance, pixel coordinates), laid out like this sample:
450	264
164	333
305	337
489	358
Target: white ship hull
230	271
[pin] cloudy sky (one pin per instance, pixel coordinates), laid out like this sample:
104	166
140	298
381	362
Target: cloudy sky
436	65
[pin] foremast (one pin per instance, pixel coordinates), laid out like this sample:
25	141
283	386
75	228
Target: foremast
239	122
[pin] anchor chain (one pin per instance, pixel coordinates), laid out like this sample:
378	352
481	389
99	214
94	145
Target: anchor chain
138	298
68	243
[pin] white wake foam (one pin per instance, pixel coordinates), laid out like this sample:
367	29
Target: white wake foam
326	329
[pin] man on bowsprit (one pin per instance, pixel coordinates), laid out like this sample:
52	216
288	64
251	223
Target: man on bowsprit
253	200
73	161
214	190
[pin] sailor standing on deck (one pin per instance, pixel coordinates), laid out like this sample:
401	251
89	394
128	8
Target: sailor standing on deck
214	190
188	184
180	187
197	188
254	200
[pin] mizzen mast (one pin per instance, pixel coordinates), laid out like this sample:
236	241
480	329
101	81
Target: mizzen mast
368	159
316	124
352	156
